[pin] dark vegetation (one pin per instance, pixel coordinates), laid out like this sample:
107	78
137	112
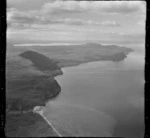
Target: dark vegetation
27	125
28	92
40	61
117	57
28	86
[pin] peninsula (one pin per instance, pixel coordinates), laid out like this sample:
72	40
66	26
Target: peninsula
30	81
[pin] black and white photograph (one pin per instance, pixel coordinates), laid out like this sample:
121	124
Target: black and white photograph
75	68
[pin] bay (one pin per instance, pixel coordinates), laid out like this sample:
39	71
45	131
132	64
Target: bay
102	98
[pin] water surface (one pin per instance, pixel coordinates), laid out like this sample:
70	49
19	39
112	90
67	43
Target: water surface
101	98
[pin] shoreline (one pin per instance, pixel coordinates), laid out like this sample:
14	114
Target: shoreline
53	88
38	110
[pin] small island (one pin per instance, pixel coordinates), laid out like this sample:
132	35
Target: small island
30	81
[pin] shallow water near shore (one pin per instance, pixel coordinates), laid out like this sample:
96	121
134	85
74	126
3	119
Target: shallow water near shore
101	98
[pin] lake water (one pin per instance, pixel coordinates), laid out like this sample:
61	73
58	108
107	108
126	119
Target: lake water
100	98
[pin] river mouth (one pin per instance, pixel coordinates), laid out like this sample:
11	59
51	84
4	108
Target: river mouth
100	99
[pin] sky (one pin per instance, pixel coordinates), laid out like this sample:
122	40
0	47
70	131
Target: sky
62	20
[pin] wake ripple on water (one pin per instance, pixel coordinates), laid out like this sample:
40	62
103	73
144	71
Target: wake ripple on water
76	120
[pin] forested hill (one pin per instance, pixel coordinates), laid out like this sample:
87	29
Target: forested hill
40	61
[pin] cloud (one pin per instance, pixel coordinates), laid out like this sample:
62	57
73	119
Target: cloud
49	11
19	19
70	21
15	16
15	1
110	23
58	7
71	18
121	7
73	21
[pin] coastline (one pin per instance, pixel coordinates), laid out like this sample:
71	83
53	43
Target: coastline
32	89
51	76
38	110
57	101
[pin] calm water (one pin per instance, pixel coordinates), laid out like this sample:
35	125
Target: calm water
100	99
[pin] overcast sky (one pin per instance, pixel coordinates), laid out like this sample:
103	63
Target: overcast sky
75	20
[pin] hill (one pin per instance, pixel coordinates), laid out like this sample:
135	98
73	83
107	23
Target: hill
27	85
40	61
